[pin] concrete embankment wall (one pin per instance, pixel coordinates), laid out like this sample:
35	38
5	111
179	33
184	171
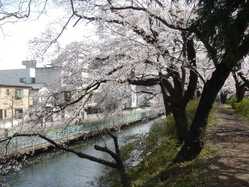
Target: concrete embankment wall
22	147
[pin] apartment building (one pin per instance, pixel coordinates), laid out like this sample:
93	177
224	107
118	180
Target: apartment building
24	87
14	101
19	88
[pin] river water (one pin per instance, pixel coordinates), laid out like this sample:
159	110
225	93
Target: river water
66	169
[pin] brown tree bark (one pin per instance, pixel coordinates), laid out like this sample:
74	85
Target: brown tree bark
176	104
240	88
175	95
181	123
195	138
166	98
124	178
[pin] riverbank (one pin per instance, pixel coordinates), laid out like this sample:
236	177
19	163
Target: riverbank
65	169
38	149
222	163
149	158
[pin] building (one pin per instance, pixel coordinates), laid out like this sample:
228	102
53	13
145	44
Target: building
34	84
36	77
31	76
19	88
15	100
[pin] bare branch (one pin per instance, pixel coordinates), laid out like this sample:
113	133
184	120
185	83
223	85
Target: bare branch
145	81
64	148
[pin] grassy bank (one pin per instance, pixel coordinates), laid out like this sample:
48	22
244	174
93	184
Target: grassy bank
154	153
242	107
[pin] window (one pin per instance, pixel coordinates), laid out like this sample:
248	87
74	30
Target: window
22	80
5	114
1	114
7	92
18	113
32	80
19	94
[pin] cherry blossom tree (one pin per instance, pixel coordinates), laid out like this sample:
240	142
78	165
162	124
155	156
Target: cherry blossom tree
241	80
162	25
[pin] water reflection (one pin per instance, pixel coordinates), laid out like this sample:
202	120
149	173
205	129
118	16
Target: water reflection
66	169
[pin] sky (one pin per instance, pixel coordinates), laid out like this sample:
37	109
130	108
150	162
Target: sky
14	37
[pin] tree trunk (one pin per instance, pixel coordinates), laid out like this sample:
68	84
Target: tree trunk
181	123
240	88
223	97
124	178
194	141
167	105
240	93
176	105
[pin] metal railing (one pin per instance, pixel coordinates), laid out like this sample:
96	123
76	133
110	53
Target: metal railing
22	144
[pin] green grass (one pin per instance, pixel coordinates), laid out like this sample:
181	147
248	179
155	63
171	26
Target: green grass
242	107
231	100
158	149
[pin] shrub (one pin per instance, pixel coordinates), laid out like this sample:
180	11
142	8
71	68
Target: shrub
242	107
231	100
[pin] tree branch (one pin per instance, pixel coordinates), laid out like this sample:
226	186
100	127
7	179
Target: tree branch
61	147
144	81
193	77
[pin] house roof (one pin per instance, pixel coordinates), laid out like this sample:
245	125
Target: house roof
15	85
43	77
12	77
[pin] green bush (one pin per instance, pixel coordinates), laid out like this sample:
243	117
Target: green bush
242	107
231	100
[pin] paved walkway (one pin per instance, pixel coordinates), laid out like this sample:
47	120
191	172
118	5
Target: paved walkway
231	134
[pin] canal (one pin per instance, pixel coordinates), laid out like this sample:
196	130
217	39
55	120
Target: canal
68	170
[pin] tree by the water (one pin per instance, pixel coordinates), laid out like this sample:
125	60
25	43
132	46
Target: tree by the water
222	26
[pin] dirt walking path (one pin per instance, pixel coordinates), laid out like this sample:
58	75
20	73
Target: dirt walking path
231	135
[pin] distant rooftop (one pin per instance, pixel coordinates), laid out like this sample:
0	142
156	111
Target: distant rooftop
43	76
15	85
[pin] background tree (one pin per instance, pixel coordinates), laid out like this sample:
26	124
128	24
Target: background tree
241	80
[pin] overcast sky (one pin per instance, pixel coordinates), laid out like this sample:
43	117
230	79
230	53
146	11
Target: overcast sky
14	37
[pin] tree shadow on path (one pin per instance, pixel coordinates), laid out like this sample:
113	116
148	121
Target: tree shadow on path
231	167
